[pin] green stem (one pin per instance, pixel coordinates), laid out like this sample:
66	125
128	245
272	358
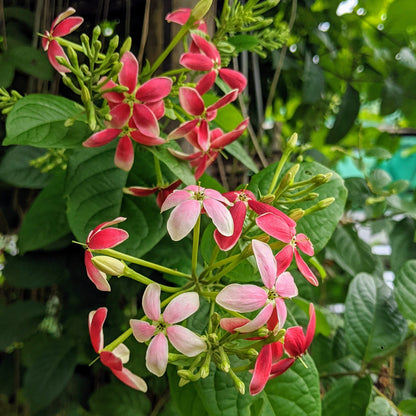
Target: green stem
145	280
158	171
282	161
75	46
140	262
195	247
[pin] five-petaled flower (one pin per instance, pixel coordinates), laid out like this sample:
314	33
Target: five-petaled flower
100	238
280	230
248	298
116	358
163	328
189	203
63	25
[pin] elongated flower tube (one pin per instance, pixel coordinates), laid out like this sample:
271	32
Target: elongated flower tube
248	298
63	25
163	328
115	359
270	224
189	203
99	238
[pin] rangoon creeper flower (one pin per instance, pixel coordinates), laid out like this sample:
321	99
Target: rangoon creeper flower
181	16
270	224
115	359
163	328
189	203
205	57
100	238
63	25
248	298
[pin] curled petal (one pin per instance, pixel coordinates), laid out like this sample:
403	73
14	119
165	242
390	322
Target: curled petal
175	198
95	325
111	360
61	16
310	332
208	48
185	341
98	278
68	25
54	50
295	341
225	139
305	270
154	90
179	16
183	219
261	208
258	321
242	298
157	355
151	301
124	156
274	226
107	238
231	324
261	370
122	352
101	137
285	286
284	258
191	101
304	244
146	140
206	82
234	79
220	216
130	379
105	224
129	71
222	102
140	190
265	262
183	129
181	307
280	367
196	61
142	330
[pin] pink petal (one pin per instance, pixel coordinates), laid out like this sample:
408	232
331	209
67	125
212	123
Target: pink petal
146	140
175	198
67	26
203	136
265	262
281	312
142	330
97	277
185	156
260	320
208	48
130	379
285	286
295	341
206	82
281	366
242	298
95	326
124	155
304	244
238	213
120	116
105	224
101	138
191	101
54	50
220	216
262	208
275	227
261	370
145	120
128	74
222	102
234	79
231	324
154	90
225	139
179	16
196	61
183	219
113	97
111	361
284	258
181	307
107	238
203	163
305	270
212	193
311	326
157	355
158	108
183	129
185	341
151	301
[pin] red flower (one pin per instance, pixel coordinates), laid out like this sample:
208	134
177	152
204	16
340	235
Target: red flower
61	26
181	16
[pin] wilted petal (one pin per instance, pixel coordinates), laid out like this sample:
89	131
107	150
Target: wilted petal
183	219
97	277
220	216
174	199
265	262
157	355
107	238
305	270
130	379
181	307
95	326
196	61
206	82
261	370
231	324
274	226
111	361
260	320
234	79
101	137
129	71
185	341
124	155
154	90
151	301
304	244
284	258
285	286
242	298
142	330
191	101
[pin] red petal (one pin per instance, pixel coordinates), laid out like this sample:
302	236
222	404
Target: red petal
54	50
280	367
305	270
120	115
261	370
295	341
130	379
107	238
128	74
146	140
145	121
208	48
67	26
97	277
154	90
225	139
206	82
183	129
276	227
95	325
101	137
61	16
141	191
284	258
179	16
124	156
158	108
196	61
191	101
113	97
304	244
310	332
222	102
233	79
111	361
262	208
203	136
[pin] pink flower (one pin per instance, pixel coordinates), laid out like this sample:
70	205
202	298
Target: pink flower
270	224
248	298
61	26
100	238
205	57
163	328
242	200
181	16
115	359
189	203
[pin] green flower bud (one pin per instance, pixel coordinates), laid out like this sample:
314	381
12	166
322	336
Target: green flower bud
200	10
125	46
108	265
292	142
296	214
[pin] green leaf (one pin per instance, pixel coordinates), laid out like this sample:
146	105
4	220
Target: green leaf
237	150
46	220
35	270
6	72
39	120
15	168
31	61
400	14
347	114
50	373
405	290
18	321
373	324
391	97
408	407
380	407
379	153
93	189
313	81
116	399
242	42
403	247
379	178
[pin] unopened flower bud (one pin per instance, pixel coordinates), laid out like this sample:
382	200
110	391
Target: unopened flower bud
72	55
204	371
215	320
85	95
311	196
296	214
200	10
188	375
292	142
252	353
96	33
325	203
224	361
183	382
263	332
108	265
125	46
268	199
113	44
213	338
238	383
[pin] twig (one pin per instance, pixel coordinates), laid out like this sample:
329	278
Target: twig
145	32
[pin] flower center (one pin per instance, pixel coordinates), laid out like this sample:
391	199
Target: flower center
272	295
200	195
243	197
